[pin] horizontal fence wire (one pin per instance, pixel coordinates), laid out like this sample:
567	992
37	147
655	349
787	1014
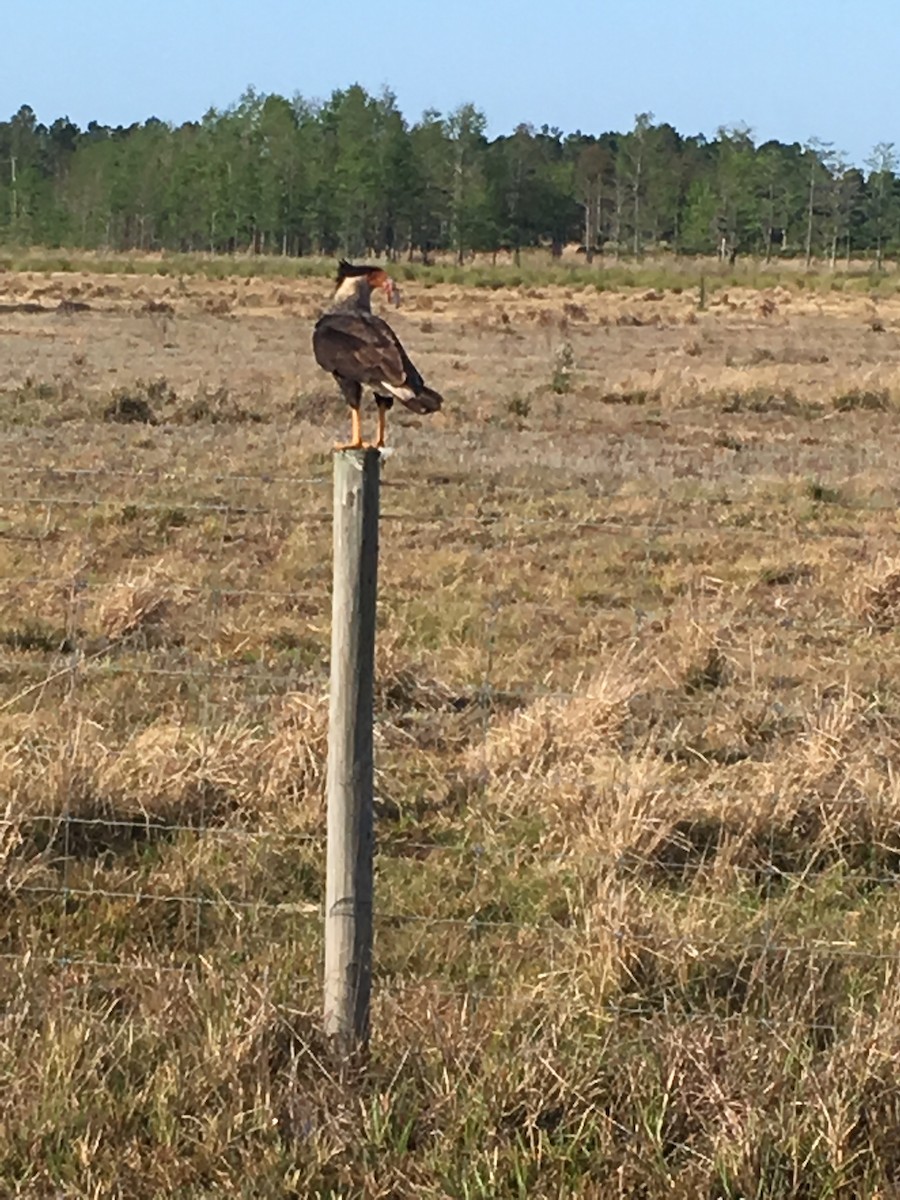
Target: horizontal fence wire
149	826
154	474
629	862
81	584
693	947
92	664
161	475
139	896
570	523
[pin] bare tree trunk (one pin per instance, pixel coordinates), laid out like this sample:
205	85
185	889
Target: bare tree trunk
588	231
617	219
13	195
770	221
809	216
598	215
636	214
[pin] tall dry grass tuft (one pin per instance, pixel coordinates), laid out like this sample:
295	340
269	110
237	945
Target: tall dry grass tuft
557	733
877	598
172	771
135	603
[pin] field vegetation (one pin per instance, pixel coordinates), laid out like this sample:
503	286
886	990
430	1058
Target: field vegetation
637	738
535	268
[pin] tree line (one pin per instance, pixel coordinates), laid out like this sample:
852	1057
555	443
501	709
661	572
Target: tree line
351	175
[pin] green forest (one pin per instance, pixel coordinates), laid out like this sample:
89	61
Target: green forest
351	175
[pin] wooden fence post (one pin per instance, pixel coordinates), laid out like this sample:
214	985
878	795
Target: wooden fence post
348	885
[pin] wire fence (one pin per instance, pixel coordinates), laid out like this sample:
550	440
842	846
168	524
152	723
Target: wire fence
184	845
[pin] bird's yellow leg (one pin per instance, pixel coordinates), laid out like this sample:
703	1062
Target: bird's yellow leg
378	444
356	442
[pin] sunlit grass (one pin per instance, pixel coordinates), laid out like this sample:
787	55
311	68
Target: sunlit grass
636	741
535	269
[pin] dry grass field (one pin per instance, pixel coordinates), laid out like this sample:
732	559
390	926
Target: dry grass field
638	711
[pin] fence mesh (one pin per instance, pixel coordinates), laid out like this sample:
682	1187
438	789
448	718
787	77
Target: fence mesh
184	759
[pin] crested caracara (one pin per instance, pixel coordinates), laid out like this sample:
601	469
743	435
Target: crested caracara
360	350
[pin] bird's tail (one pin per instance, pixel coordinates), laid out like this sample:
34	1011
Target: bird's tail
425	401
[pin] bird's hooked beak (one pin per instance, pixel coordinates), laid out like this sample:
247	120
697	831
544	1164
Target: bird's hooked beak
392	292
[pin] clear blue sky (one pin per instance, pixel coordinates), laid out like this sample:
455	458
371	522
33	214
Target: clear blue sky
789	68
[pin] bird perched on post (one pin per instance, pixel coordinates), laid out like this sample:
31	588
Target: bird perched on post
361	350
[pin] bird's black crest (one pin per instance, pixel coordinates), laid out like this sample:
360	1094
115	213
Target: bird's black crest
346	269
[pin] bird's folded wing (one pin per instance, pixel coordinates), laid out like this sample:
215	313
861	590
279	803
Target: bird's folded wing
360	348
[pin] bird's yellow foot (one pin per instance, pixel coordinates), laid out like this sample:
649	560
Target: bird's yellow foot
378	444
356	442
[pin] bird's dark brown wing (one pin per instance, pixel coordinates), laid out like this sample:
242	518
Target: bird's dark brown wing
364	348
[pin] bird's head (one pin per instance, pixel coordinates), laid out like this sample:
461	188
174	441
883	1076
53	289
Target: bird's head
376	278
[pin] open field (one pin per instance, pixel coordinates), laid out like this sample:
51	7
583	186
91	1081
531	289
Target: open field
534	268
638	704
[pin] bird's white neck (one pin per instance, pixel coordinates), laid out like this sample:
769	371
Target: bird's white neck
353	292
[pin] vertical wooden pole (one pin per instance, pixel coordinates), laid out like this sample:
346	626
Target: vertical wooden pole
348	885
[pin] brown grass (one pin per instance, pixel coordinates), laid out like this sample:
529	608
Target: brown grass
637	751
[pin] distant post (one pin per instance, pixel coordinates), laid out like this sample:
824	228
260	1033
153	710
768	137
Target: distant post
348	884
